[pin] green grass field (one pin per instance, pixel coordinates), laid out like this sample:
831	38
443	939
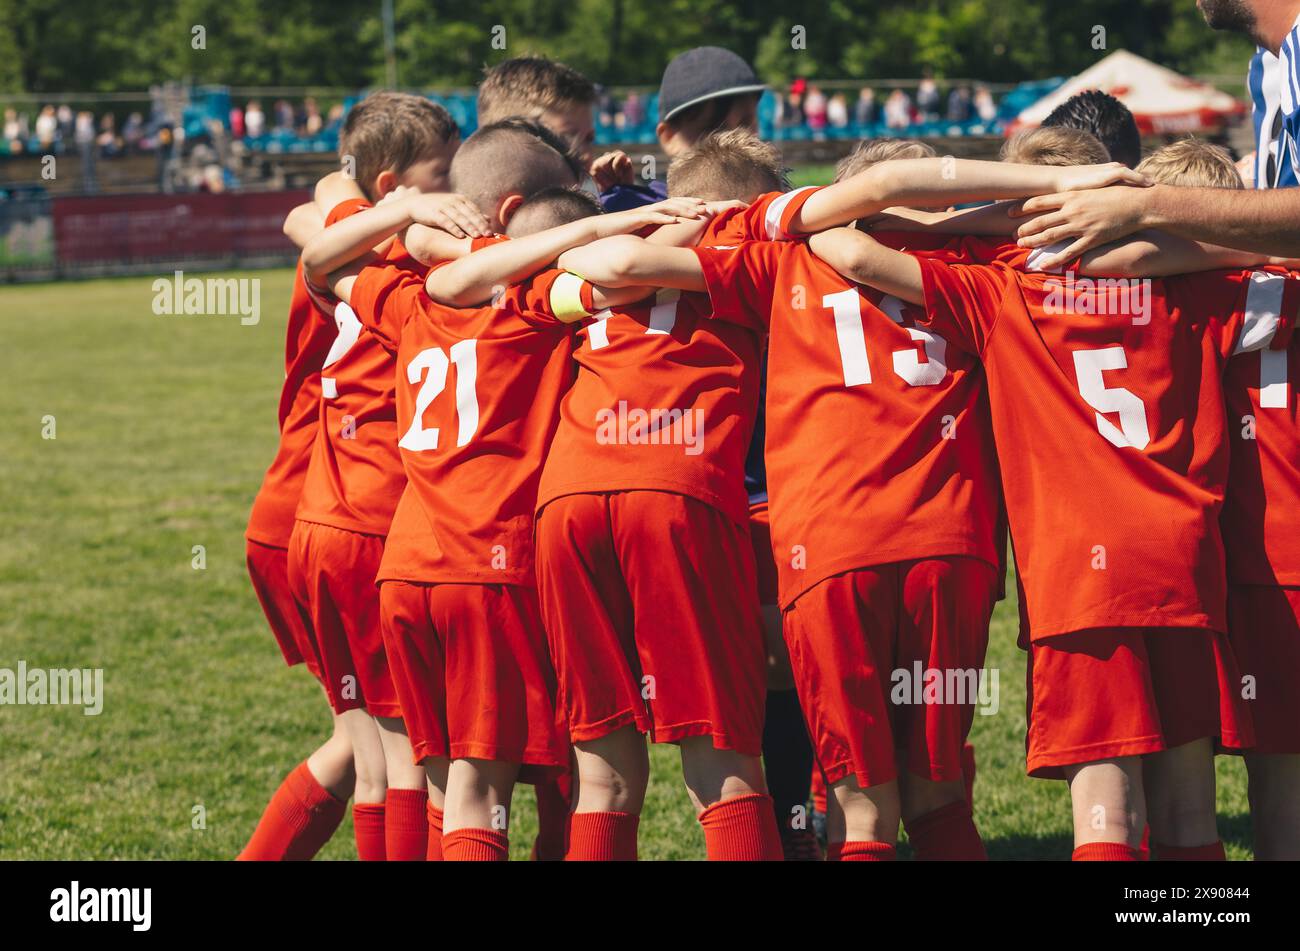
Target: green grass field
164	426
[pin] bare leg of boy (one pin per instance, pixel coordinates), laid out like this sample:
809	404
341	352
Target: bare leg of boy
612	774
435	771
1109	809
862	824
372	784
406	802
477	810
731	802
1180	803
1274	805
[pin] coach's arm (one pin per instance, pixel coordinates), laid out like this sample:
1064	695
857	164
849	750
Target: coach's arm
1265	221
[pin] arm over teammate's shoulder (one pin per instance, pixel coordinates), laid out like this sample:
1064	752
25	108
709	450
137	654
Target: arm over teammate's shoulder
862	259
943	181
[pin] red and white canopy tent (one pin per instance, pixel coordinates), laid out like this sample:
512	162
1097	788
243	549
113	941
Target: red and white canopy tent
1162	101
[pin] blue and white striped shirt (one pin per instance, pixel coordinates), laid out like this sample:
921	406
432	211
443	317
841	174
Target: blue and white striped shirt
1274	84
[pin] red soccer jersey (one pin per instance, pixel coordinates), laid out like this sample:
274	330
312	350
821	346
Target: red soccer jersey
877	448
477	404
665	399
355	476
1261	515
309	338
1109	414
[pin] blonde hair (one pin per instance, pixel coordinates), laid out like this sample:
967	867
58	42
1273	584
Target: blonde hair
529	86
1194	163
735	164
869	152
1054	145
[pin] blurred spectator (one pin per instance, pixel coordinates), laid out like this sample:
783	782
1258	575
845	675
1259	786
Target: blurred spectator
792	113
133	131
313	123
334	118
283	116
84	129
633	110
213	179
84	135
960	106
985	107
236	122
866	110
927	98
108	141
898	110
837	111
814	110
607	113
15	131
67	122
47	128
254	119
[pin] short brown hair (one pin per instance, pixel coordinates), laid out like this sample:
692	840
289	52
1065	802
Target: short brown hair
530	85
512	156
868	152
722	166
551	207
1192	163
1054	145
391	131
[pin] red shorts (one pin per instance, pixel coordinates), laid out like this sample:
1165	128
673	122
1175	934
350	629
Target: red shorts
1264	630
332	576
652	614
1111	692
865	644
470	665
268	566
760	535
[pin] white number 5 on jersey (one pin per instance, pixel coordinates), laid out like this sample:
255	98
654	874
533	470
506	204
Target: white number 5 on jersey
1132	429
432	364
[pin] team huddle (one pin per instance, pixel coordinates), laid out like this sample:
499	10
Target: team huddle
734	467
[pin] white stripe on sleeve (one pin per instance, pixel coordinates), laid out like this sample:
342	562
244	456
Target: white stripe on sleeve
776	211
1263	311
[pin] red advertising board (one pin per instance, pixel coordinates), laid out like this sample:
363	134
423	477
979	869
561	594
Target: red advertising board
201	226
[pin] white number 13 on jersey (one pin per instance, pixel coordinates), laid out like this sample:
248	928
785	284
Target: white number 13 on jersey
1132	429
432	364
846	306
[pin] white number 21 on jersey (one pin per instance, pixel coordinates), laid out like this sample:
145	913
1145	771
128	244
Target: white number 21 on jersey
432	364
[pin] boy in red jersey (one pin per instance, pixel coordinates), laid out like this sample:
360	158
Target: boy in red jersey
457	596
1124	585
1262	536
934	475
1261	533
393	139
644	558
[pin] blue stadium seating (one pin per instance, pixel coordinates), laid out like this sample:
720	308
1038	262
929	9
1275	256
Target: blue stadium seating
213	102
